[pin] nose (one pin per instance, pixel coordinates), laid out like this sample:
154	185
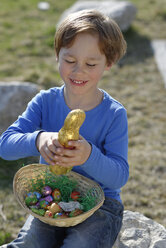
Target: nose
78	68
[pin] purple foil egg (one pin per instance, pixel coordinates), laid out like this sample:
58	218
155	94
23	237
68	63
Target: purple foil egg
37	205
48	198
46	190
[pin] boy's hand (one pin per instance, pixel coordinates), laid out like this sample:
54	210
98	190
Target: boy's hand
47	143
72	157
54	153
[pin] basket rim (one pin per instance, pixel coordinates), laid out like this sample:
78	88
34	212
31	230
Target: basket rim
52	221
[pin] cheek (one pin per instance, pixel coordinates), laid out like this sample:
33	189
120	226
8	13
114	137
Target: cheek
62	70
96	75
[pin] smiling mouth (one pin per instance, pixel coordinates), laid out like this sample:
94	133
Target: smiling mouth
78	82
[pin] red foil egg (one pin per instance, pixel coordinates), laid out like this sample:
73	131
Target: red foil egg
75	195
48	214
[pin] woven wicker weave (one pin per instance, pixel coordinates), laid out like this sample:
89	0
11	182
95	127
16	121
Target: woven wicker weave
21	188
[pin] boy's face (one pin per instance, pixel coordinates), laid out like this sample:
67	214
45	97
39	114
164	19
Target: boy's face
82	64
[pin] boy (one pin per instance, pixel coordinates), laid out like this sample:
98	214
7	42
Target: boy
87	43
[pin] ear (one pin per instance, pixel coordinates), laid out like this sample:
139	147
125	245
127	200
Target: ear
108	67
56	55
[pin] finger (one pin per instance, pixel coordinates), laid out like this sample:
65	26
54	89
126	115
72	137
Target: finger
51	146
47	158
48	153
56	143
74	143
66	152
65	161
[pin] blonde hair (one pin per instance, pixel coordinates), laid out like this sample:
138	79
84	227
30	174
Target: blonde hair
111	40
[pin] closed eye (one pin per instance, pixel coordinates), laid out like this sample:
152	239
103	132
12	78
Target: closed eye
91	64
70	62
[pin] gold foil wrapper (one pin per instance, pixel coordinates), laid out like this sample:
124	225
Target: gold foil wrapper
70	131
59	170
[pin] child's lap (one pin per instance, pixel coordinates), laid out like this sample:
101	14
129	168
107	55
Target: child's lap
99	230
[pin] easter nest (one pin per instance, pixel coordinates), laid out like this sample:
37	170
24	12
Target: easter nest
28	174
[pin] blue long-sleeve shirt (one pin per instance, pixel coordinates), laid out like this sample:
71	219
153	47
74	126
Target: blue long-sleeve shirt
105	127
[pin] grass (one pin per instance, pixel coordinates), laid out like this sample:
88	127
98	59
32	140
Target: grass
27	54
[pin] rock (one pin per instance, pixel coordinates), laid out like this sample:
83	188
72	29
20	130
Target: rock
140	231
122	12
14	97
159	49
43	5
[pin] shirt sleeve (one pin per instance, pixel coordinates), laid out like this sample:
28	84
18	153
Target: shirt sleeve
111	167
19	140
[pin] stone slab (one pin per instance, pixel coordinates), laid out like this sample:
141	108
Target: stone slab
139	231
14	97
123	12
159	49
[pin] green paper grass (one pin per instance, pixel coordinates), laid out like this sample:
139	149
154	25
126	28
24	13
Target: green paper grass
88	201
65	185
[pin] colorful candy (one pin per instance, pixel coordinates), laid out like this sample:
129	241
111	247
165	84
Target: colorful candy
48	198
75	195
75	212
38	195
56	195
46	190
60	216
48	214
31	200
54	208
44	204
48	203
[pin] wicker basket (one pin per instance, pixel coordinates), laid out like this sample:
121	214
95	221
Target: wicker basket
20	188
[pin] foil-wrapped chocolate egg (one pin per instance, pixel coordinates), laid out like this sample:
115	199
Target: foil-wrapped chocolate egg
46	190
56	195
31	200
44	204
37	205
48	214
38	195
60	216
48	198
75	212
54	208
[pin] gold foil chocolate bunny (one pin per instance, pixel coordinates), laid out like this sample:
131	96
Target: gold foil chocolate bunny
70	131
